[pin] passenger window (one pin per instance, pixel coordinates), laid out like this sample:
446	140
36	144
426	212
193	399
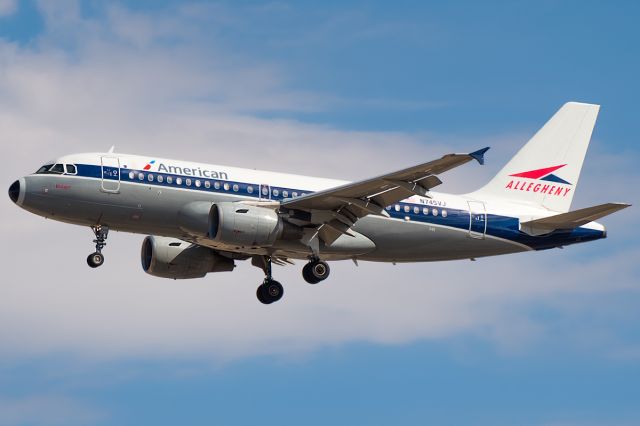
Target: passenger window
397	207
295	194
216	185
226	186
425	211
407	209
71	169
444	213
265	191
207	184
250	189
160	178
435	212
285	194
275	192
132	175
198	183
416	209
150	177
178	181
169	179
235	187
141	176
188	182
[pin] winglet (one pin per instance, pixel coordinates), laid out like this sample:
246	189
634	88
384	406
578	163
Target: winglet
479	155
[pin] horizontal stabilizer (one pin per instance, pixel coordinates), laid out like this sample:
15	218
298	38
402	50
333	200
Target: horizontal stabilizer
574	219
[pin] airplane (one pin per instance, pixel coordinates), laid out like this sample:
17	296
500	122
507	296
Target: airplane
202	218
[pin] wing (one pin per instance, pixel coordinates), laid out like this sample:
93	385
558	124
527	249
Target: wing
344	205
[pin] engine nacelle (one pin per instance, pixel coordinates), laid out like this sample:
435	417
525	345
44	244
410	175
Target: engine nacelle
171	258
236	224
245	225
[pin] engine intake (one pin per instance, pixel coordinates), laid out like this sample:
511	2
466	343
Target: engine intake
172	258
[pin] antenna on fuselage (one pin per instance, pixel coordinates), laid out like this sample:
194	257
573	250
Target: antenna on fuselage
113	147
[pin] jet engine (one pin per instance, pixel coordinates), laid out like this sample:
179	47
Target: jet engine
236	224
171	258
245	225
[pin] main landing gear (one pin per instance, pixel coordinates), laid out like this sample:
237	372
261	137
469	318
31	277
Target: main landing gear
315	271
270	290
97	259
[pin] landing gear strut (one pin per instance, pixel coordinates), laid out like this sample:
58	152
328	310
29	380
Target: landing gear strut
270	290
97	259
315	271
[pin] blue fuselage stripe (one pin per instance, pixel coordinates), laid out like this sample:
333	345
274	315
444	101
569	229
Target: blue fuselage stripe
499	226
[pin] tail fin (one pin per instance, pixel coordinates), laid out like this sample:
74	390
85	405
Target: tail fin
546	170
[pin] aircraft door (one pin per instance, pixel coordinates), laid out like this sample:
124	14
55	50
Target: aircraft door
477	219
110	171
265	192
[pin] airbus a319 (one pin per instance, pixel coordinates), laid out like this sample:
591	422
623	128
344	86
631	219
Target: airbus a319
203	218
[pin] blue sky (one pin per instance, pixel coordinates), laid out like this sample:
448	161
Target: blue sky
553	338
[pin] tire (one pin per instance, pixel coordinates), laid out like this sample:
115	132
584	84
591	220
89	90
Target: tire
269	292
306	274
273	290
95	260
261	293
314	272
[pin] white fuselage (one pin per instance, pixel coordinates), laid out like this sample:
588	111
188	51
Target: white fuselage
144	195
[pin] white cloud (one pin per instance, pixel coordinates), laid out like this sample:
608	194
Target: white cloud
117	85
46	409
8	7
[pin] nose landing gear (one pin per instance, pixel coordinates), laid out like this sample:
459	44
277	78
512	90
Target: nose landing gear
97	259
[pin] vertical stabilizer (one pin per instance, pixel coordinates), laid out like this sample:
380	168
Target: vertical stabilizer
546	170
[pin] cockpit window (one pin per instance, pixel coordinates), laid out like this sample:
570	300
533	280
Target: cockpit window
57	169
71	169
44	169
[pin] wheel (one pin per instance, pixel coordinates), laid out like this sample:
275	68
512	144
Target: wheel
306	274
273	290
316	271
261	293
320	270
95	259
270	291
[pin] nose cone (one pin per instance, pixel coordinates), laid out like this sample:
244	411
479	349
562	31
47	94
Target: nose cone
14	191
